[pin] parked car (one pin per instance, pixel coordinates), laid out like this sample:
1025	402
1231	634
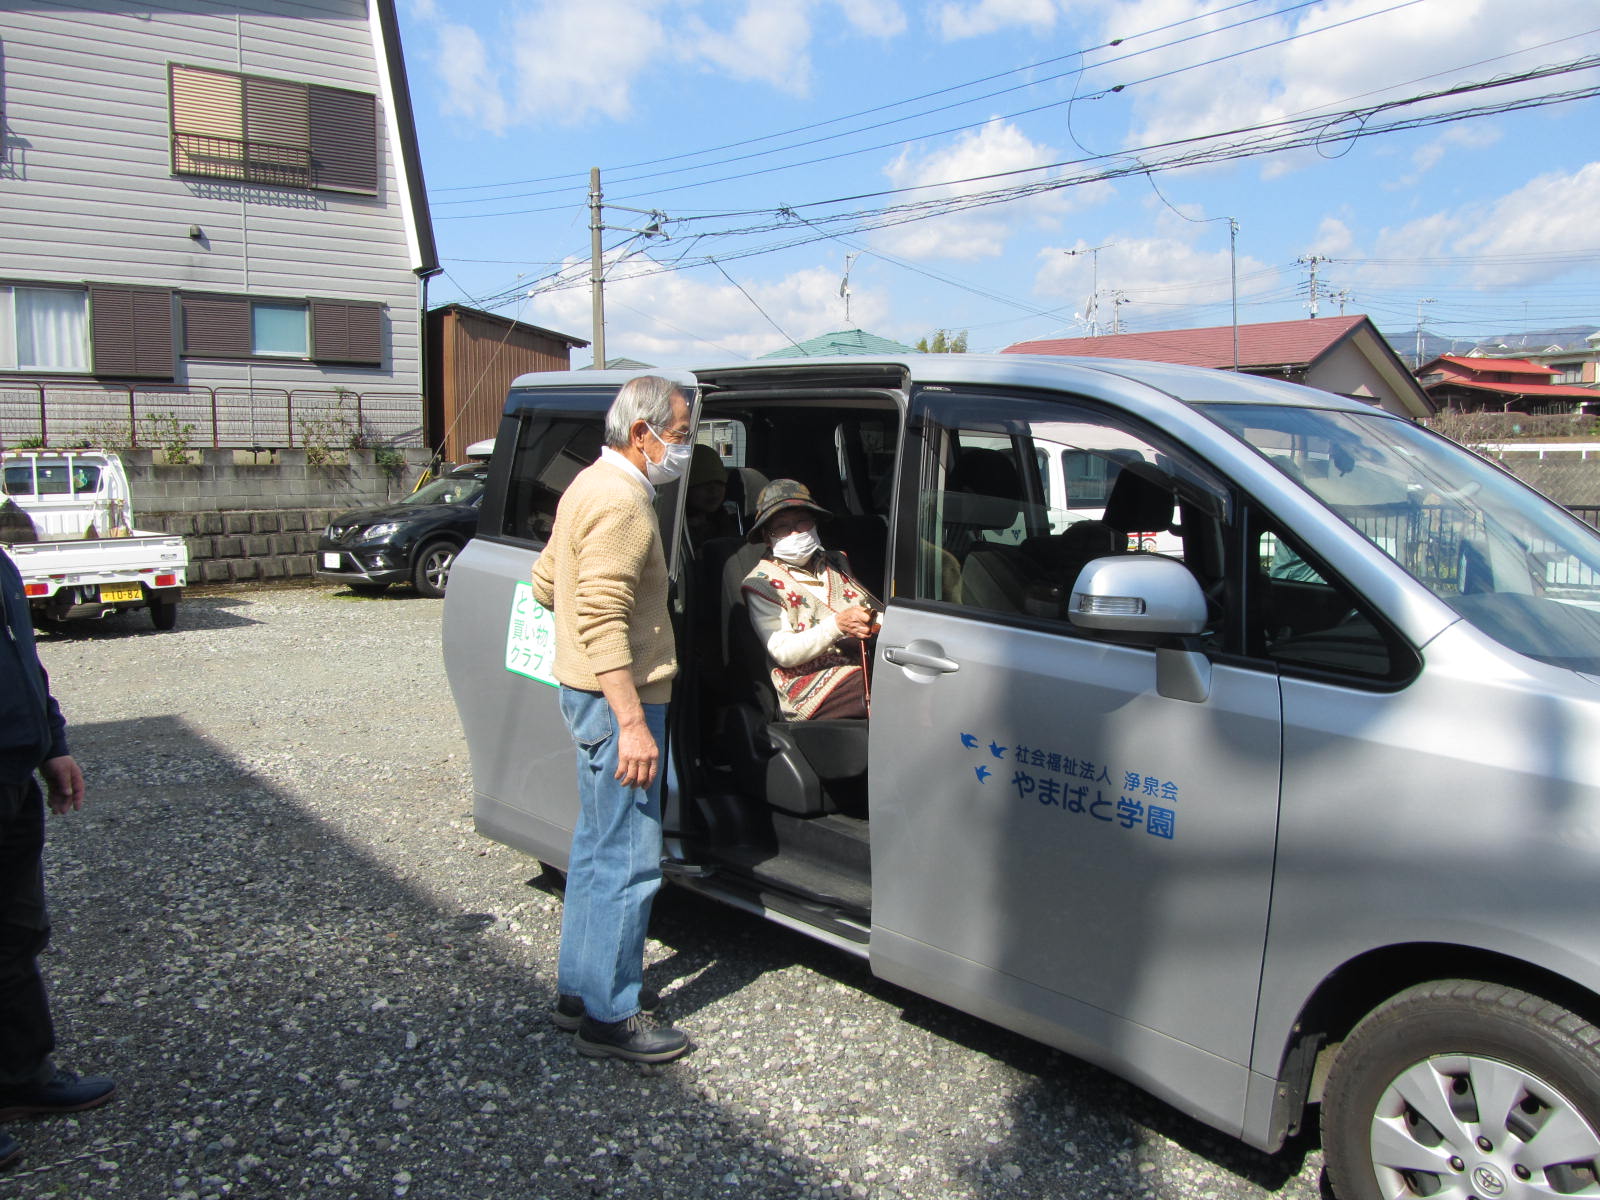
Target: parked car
414	541
1303	812
75	544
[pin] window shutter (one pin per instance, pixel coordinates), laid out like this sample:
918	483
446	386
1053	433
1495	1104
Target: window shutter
207	123
130	330
347	333
277	130
344	140
216	326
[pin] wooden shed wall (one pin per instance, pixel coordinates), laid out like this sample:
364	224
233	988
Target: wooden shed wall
474	359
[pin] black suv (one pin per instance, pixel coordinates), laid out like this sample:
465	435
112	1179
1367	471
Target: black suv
413	541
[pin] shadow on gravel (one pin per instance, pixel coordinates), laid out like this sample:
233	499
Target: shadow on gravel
1066	1113
288	1017
194	612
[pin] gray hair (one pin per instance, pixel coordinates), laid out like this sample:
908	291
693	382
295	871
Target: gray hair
646	398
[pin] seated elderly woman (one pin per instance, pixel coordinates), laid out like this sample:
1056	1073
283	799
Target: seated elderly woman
812	617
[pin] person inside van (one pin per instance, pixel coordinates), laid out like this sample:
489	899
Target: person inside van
812	616
706	514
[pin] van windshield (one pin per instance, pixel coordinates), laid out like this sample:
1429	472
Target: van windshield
1520	568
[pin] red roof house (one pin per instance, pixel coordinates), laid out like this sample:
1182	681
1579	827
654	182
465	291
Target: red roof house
1500	385
1346	355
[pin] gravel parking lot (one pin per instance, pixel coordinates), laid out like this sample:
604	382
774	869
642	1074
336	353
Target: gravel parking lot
276	927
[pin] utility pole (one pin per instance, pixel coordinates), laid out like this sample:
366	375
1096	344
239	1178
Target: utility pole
1420	303
1233	284
844	286
1343	297
1091	310
1311	261
597	299
1118	299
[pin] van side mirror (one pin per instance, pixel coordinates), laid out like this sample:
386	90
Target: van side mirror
1148	600
1146	595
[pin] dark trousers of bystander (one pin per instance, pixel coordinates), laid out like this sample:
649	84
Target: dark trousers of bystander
27	1036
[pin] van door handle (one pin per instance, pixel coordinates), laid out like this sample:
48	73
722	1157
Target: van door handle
915	656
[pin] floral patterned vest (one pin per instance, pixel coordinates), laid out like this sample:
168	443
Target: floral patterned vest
802	689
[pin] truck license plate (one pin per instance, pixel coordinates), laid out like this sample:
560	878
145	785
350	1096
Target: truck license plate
120	593
330	562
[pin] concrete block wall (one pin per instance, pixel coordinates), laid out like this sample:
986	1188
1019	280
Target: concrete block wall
247	521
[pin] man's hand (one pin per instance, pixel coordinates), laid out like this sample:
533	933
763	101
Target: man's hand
638	757
63	783
855	621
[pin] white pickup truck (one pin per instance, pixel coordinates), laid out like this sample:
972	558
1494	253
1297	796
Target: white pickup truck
74	542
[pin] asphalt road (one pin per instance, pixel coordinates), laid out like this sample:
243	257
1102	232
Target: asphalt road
276	927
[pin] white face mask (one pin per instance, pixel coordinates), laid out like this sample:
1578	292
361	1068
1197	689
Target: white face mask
674	462
797	548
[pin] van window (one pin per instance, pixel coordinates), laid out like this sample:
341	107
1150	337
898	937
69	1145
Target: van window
1018	495
549	451
1517	567
1308	619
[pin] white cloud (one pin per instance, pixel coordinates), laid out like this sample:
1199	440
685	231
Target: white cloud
666	319
1155	275
1333	238
1547	217
573	59
471	86
980	233
980	17
874	18
1382	56
1430	154
767	44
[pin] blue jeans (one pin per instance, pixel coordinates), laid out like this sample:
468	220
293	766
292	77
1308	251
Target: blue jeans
614	870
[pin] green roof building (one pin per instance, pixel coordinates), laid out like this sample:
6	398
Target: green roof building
845	341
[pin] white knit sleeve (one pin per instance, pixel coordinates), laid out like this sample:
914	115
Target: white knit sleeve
787	647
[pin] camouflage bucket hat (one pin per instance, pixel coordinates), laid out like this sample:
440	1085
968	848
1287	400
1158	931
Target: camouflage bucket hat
779	495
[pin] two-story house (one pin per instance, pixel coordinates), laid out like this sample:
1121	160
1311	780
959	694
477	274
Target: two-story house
212	214
1500	385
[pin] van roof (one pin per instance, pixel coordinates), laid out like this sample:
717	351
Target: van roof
1188	385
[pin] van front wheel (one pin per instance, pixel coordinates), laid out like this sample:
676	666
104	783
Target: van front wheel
1461	1088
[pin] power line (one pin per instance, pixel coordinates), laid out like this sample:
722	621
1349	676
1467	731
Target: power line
944	91
1101	94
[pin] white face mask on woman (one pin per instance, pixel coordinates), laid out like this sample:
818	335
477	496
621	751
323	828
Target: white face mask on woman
798	548
674	462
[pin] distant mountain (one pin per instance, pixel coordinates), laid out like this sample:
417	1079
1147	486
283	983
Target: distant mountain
1505	344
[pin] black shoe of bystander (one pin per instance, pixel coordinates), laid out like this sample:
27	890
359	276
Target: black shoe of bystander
63	1093
637	1039
10	1149
568	1013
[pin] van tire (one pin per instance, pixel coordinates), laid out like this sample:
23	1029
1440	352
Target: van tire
1446	1047
163	613
431	570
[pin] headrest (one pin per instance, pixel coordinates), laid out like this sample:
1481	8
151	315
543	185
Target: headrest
984	490
1141	500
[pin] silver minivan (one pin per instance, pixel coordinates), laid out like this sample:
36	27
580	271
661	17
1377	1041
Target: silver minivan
1302	809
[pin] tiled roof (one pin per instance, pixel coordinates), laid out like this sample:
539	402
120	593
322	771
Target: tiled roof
844	341
1509	366
1516	389
1273	344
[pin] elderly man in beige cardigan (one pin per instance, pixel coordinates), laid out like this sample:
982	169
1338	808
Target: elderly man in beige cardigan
604	577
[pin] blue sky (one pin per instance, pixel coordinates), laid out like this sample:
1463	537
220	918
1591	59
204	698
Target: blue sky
780	137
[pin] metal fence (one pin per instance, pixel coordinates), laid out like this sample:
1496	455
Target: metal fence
240	418
1437	546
